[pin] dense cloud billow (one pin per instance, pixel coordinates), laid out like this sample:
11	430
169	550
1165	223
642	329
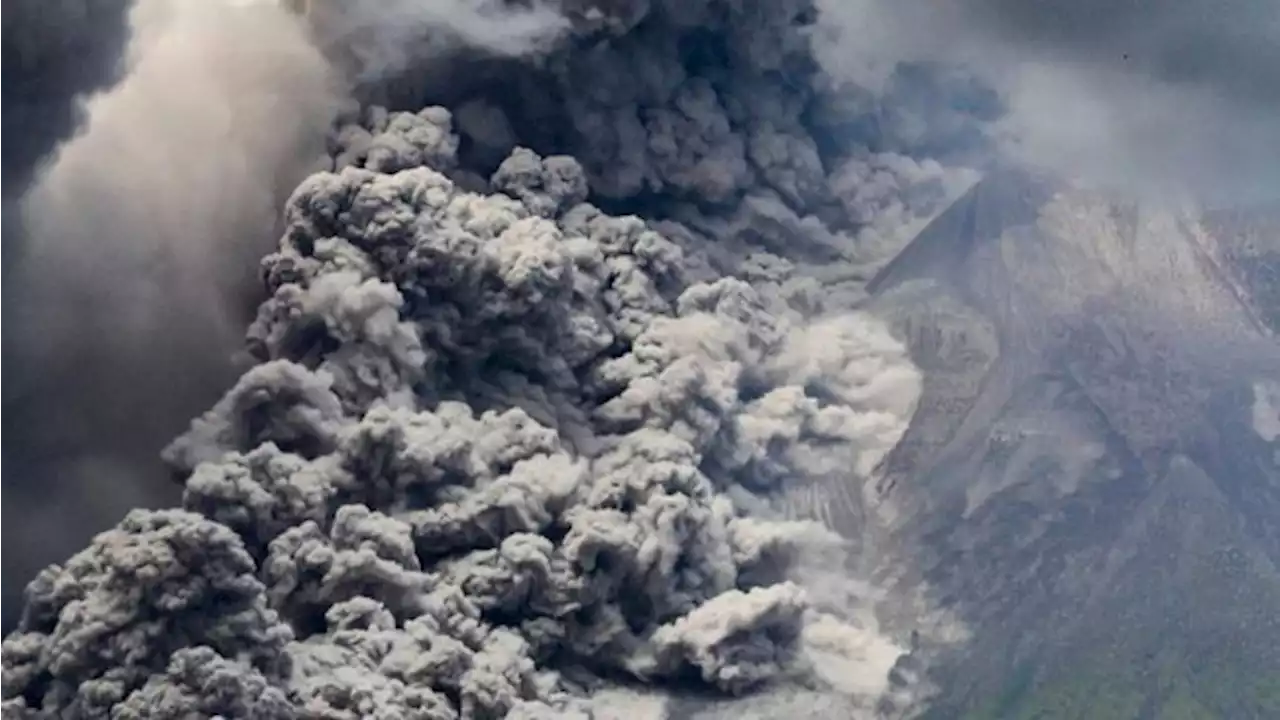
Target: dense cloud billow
499	448
499	451
557	391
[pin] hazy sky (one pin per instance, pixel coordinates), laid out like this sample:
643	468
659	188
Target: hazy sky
1232	46
1158	96
1191	87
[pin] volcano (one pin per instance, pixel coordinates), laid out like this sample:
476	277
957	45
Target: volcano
1095	455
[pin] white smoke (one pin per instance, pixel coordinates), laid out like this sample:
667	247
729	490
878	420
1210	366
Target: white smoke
378	39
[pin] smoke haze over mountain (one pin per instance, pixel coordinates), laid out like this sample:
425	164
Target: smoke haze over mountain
1156	97
559	383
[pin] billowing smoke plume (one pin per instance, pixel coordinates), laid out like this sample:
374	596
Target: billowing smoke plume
500	450
559	391
132	276
130	259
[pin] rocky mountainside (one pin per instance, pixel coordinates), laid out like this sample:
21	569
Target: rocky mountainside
1096	450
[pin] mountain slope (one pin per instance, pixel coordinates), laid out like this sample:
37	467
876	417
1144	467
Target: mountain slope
1099	505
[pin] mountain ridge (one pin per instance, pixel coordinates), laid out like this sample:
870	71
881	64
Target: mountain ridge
1088	364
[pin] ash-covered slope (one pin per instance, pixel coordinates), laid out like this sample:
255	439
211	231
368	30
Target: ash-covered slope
1092	455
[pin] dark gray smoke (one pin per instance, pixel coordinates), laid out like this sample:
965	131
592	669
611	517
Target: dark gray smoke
132	275
502	449
499	449
559	362
51	53
1152	98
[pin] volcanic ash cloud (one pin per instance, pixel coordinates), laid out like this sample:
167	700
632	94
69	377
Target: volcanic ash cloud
494	459
503	453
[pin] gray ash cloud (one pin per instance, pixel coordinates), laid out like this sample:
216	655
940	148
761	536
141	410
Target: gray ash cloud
557	389
500	450
52	52
129	257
